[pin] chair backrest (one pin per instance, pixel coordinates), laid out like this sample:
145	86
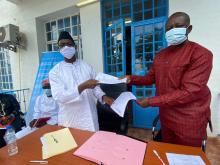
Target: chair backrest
113	90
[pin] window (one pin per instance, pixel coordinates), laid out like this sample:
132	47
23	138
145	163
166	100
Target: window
71	24
132	10
5	72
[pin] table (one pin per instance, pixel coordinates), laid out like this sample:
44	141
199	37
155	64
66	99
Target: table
30	148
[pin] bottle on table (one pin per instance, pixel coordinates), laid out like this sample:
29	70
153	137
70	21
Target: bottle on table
10	140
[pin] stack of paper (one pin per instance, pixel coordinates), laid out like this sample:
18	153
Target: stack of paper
109	79
182	159
111	149
25	131
120	104
57	142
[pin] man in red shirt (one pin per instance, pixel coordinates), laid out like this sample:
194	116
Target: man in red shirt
180	72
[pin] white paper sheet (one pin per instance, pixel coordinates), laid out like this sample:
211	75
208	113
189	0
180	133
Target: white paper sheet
109	79
25	131
119	105
181	159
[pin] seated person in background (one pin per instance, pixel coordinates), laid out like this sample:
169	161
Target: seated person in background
45	106
10	113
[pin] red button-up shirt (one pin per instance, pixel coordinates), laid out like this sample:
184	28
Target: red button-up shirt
180	74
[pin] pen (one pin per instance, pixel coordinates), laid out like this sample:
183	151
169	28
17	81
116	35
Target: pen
155	152
35	123
39	161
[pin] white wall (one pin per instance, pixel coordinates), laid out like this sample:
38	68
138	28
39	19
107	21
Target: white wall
92	35
205	16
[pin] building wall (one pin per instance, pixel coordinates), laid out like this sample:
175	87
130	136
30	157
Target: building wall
204	18
92	35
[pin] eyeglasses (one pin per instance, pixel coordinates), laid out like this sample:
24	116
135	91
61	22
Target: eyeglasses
61	45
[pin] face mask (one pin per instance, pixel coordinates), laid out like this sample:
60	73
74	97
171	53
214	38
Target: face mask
68	51
48	92
176	36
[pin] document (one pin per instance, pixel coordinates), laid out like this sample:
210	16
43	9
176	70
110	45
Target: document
25	131
109	79
119	105
181	159
57	142
109	148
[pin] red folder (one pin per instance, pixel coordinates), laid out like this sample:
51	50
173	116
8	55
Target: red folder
40	121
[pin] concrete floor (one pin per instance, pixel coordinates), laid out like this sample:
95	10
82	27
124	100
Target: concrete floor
212	147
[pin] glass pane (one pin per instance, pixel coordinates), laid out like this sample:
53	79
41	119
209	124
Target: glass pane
119	68
53	25
74	20
116	12
54	35
137	6
60	24
138	63
158	46
49	36
148	57
158	3
148	47
49	47
139	49
126	10
108	14
48	28
149	28
148	93
148	38
139	93
148	4
148	14
67	22
138	30
126	2
138	40
137	17
55	47
148	66
158	36
74	31
158	12
107	5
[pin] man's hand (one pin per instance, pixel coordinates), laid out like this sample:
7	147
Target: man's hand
142	102
128	77
107	100
89	84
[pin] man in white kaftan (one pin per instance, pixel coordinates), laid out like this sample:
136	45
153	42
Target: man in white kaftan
73	87
45	106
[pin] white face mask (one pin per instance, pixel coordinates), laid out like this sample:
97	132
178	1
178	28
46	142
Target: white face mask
68	51
176	36
48	92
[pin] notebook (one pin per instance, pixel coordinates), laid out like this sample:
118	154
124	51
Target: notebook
109	148
57	142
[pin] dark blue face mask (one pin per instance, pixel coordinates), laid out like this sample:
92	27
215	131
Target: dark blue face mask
48	92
